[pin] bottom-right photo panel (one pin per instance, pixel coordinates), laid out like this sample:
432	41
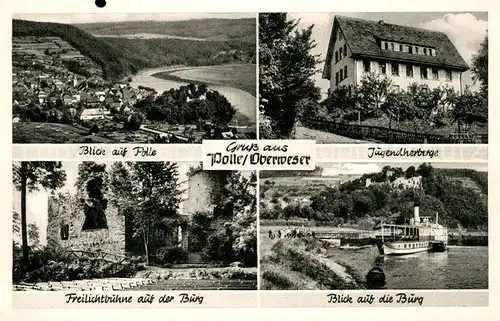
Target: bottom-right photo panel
375	226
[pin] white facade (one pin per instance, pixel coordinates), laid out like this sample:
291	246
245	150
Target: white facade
343	67
436	77
402	80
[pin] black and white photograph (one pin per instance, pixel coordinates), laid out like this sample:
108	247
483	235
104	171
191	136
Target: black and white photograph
105	226
133	78
374	77
364	226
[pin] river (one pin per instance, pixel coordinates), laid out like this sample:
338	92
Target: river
461	267
244	102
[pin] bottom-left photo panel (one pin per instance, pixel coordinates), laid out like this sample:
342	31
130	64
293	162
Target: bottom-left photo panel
143	226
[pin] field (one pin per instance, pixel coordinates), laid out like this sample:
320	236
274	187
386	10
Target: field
324	137
51	133
241	76
285	190
54	133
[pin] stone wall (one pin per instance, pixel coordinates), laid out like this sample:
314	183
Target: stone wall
203	190
64	228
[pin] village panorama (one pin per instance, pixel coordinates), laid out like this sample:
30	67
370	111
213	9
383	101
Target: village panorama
133	81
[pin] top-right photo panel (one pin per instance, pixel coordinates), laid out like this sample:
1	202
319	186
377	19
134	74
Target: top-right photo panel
374	77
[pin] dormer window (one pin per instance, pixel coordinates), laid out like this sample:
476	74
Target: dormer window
425	51
401	48
410	49
386	45
392	46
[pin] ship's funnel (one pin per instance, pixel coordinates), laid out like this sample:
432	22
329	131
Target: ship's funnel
416	215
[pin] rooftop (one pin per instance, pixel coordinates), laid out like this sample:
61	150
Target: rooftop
363	39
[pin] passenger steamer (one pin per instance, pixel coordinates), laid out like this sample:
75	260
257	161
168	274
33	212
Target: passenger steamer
418	236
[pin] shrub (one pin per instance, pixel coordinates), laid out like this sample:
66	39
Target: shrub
170	255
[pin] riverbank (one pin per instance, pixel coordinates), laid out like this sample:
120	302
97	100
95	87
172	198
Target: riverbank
301	264
240	76
216	78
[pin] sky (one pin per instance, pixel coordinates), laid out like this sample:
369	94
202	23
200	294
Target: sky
115	17
36	203
465	29
333	169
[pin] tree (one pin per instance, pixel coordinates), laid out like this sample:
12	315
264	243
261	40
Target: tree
29	177
373	91
470	108
16	223
33	234
286	66
421	106
410	172
148	192
480	66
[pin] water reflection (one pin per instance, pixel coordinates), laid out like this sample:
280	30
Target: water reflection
458	268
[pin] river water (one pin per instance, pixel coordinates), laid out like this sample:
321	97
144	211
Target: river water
243	101
461	267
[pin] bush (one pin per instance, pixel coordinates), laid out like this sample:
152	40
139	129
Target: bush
220	247
54	264
170	255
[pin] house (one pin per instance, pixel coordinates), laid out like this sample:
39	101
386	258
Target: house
404	54
94	113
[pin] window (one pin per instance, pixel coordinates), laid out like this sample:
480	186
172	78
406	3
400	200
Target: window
381	67
401	48
366	65
410	49
65	232
345	50
395	69
409	71
416	50
336	56
340	54
386	46
423	72
435	73
433	52
341	73
337	77
392	46
345	72
425	51
448	74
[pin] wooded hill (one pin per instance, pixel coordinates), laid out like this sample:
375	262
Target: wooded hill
458	195
242	30
120	57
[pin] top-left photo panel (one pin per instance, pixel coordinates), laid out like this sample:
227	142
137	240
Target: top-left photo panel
133	78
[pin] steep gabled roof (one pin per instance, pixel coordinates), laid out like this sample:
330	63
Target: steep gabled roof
363	39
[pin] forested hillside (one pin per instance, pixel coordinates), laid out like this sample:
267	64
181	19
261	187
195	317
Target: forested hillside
120	57
440	192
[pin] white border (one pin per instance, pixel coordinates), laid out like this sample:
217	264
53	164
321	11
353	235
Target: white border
118	6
